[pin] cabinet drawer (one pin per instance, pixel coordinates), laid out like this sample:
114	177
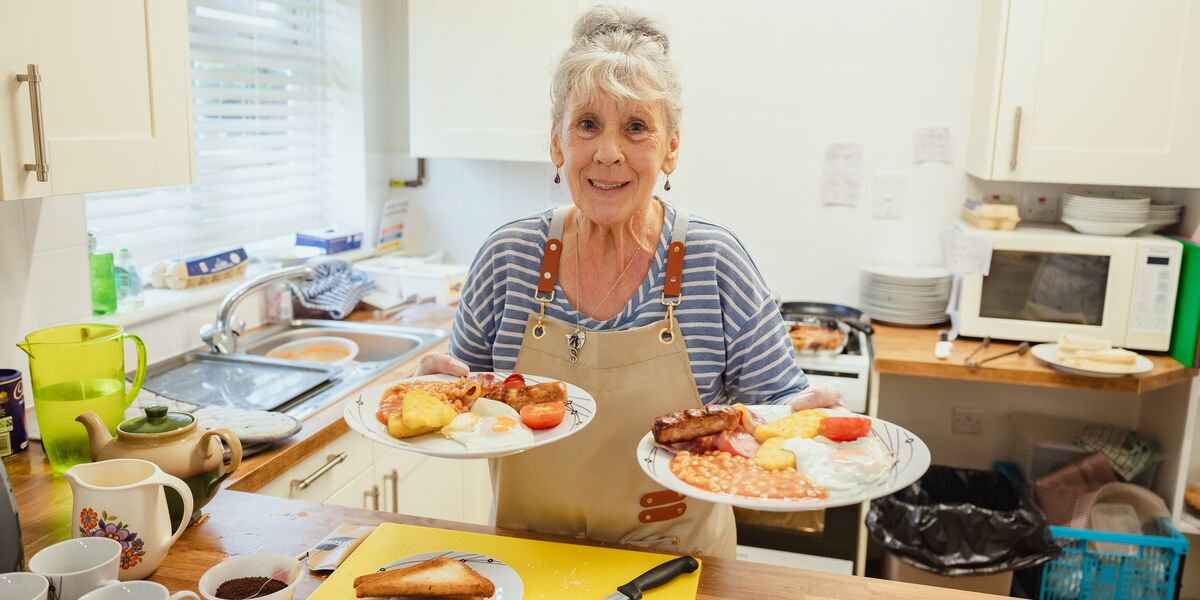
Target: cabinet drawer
358	456
361	492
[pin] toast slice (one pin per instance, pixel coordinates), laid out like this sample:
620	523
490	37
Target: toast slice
440	577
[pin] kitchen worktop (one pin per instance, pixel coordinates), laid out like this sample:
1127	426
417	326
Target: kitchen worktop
239	522
909	351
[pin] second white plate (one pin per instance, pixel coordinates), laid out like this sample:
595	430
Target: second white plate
508	584
1046	353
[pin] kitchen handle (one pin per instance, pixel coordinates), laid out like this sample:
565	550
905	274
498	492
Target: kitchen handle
659	575
331	461
1012	162
373	494
34	79
393	478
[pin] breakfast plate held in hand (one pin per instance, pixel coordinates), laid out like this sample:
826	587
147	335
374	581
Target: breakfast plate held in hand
484	415
788	466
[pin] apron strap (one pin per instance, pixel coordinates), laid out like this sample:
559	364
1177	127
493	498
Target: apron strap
673	278
553	251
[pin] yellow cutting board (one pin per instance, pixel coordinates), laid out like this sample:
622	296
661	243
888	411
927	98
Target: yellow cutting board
549	570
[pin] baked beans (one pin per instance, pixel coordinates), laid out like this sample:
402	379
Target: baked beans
725	473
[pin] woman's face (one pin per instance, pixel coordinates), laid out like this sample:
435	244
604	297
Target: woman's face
612	152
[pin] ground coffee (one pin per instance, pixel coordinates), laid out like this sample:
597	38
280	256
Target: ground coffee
243	588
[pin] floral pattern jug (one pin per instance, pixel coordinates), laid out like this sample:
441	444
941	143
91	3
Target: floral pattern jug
123	500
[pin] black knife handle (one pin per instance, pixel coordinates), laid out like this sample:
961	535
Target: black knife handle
659	575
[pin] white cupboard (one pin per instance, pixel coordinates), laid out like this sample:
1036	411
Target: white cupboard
351	471
479	76
114	96
1074	91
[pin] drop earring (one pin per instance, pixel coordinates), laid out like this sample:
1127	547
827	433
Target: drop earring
667	185
557	178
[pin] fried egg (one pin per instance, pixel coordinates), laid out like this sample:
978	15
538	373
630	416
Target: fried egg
489	425
840	465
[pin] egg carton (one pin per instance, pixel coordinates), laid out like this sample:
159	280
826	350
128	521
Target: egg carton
199	270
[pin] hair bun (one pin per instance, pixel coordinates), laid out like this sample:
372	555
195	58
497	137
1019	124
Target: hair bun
604	20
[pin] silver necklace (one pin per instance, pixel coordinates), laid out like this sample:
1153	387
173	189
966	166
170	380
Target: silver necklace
576	339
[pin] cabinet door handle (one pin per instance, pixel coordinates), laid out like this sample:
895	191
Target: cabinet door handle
394	479
34	79
331	461
373	494
1012	161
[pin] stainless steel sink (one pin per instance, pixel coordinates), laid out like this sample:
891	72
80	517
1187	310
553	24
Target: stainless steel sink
381	348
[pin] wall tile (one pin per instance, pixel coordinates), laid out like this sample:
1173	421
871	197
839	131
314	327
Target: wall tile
54	223
58	288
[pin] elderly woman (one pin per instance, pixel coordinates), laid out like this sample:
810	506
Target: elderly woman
628	296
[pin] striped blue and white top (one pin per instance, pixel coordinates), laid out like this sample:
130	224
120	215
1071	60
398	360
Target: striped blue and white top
737	344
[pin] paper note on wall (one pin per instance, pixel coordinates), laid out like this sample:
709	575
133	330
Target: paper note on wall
933	144
391	225
843	175
966	252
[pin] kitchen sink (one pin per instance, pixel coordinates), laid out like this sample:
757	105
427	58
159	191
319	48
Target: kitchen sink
249	379
381	347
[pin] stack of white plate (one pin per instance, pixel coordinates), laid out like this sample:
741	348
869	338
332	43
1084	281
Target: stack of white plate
904	294
1112	214
1162	215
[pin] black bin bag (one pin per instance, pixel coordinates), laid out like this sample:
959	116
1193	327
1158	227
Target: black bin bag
957	522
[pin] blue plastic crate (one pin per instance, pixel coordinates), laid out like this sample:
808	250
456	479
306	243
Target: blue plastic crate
1085	573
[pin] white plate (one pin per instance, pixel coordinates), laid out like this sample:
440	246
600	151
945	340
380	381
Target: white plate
360	415
348	345
1046	353
911	454
1103	227
903	274
508	584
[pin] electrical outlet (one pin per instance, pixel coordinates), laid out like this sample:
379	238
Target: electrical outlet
967	420
1039	206
889	195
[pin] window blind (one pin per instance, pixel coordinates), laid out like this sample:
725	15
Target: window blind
260	95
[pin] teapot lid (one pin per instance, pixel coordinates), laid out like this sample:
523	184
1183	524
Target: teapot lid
157	420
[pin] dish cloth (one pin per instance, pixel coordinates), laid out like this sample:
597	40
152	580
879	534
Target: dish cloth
1129	453
1068	494
336	289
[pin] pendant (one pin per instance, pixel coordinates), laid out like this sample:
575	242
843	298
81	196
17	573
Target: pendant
575	341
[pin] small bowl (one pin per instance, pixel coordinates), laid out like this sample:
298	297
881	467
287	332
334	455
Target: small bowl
295	350
24	586
276	566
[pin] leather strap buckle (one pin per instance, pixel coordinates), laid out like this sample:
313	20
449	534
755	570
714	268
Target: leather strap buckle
539	328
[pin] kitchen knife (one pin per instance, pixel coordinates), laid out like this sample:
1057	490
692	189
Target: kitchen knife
655	577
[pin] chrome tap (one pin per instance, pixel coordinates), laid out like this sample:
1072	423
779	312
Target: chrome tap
221	336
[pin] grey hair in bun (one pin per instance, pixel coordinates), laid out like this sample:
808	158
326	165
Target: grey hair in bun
620	52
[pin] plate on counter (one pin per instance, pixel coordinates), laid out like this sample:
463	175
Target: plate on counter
1048	353
360	415
909	457
508	584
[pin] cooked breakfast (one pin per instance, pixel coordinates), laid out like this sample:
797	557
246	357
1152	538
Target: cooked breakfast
806	337
440	577
478	412
730	450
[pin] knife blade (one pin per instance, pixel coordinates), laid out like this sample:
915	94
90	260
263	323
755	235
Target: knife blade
660	575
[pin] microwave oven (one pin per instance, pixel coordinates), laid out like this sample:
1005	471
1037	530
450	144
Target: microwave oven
1046	281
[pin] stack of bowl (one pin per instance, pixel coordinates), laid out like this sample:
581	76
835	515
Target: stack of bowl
904	294
1109	214
1162	215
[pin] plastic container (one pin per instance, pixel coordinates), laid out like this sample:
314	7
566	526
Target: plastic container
1114	517
444	283
128	282
1083	571
104	288
387	271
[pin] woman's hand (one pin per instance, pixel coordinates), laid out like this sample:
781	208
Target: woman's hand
440	363
826	395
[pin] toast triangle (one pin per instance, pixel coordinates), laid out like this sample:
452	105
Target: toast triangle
440	577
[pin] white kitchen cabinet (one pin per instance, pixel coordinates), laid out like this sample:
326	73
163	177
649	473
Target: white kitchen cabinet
325	471
114	95
361	492
1074	91
479	76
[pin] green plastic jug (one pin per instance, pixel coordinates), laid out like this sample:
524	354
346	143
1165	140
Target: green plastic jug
74	369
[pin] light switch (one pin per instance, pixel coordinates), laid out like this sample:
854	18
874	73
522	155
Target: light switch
888	193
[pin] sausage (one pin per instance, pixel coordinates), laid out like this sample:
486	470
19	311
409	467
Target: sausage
518	397
684	425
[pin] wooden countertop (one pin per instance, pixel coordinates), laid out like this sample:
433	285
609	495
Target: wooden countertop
909	351
243	523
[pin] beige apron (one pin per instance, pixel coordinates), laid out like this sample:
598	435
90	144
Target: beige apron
590	485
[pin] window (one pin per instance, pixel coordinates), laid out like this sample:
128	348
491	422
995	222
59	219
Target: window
262	84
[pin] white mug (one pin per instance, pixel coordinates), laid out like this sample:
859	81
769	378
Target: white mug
76	567
137	590
23	586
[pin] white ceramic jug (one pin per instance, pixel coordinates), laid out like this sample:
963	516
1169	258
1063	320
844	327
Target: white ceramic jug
123	500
